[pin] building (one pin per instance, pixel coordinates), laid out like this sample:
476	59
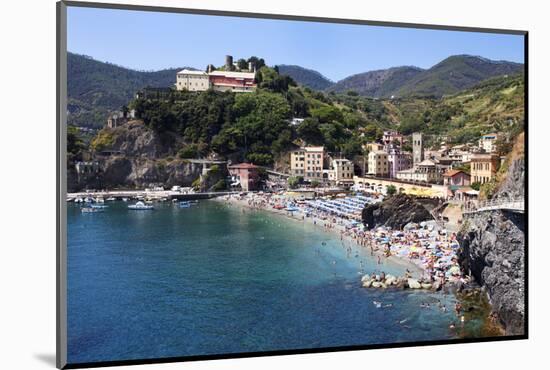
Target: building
418	147
341	171
378	163
398	161
391	137
483	167
488	143
192	80
232	81
245	175
372	147
118	118
425	171
308	162
456	178
228	79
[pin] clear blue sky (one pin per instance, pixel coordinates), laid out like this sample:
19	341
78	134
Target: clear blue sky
152	41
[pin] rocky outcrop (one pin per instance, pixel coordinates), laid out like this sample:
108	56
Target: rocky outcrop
133	156
492	250
395	212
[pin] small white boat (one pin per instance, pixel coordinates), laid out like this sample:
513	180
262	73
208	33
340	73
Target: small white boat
124	199
91	209
78	200
99	206
140	206
110	199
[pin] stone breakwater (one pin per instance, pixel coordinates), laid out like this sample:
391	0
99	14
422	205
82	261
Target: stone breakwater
383	282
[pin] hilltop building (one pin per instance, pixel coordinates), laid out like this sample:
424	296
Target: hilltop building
483	167
192	80
378	163
308	162
221	80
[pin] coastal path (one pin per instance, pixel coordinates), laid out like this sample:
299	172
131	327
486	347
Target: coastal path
512	205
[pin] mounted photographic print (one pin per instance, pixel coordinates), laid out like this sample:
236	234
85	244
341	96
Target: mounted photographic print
235	184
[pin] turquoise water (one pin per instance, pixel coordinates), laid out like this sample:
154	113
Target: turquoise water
212	279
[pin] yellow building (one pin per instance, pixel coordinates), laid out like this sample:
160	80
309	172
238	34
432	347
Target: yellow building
378	163
341	171
372	147
308	162
192	80
483	167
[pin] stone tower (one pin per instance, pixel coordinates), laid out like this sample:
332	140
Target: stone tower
418	148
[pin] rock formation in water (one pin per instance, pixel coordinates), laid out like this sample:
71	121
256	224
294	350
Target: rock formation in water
395	211
492	250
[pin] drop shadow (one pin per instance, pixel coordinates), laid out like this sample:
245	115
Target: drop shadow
47	358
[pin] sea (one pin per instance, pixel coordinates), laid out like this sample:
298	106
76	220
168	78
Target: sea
217	279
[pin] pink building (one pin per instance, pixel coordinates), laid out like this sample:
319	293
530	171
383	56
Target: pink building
398	161
456	178
246	175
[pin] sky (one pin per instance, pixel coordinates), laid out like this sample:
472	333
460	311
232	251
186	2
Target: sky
152	41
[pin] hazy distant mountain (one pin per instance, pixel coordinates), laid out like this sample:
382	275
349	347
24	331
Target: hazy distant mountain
380	83
306	77
456	73
95	88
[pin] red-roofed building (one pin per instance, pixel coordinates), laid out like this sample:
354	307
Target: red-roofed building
456	178
245	175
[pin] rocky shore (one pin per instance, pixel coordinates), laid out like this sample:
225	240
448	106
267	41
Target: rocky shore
492	251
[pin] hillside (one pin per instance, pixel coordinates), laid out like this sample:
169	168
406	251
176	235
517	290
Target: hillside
448	77
376	84
306	77
454	74
95	88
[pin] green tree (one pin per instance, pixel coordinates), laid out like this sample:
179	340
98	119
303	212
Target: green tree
310	132
293	182
391	190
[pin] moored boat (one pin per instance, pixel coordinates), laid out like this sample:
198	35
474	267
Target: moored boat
91	209
140	206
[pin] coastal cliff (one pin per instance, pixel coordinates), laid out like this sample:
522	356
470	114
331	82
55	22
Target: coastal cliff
395	211
133	156
492	250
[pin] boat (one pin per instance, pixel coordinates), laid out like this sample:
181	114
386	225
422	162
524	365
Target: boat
124	199
98	206
91	209
140	206
185	204
110	199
